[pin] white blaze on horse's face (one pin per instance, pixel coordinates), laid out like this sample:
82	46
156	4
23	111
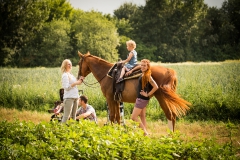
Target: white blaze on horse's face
144	66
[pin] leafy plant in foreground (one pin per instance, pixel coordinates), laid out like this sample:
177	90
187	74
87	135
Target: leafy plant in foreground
87	140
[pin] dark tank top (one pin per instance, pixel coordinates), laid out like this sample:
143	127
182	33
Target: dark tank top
147	89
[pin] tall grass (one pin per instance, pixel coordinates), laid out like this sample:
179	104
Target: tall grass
212	88
31	89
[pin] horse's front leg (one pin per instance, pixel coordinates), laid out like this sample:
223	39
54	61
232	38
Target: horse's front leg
117	112
111	113
114	110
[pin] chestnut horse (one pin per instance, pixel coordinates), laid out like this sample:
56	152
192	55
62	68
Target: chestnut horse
165	78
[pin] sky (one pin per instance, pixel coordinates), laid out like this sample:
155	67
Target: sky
108	6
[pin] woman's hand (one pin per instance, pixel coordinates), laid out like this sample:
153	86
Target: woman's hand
145	94
78	82
128	73
82	78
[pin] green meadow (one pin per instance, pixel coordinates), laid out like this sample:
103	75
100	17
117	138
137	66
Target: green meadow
213	88
206	132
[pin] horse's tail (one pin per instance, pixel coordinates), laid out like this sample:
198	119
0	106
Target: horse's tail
176	104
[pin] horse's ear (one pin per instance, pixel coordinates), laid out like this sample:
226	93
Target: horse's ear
80	54
88	53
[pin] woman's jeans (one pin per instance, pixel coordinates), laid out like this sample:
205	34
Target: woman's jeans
70	109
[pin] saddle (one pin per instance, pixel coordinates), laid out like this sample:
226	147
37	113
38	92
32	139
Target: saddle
114	73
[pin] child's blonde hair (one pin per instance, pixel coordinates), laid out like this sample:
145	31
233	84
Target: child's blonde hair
131	43
64	65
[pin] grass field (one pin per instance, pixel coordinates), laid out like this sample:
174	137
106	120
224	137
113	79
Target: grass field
212	88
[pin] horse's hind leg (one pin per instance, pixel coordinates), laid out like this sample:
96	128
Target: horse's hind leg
171	117
171	123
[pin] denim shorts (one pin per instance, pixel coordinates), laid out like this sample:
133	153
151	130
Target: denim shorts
129	66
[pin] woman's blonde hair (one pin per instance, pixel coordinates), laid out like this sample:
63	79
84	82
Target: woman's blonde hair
131	43
147	74
64	65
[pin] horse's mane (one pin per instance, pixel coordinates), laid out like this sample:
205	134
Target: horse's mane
98	58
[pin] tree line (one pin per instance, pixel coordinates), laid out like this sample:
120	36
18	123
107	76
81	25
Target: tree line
44	32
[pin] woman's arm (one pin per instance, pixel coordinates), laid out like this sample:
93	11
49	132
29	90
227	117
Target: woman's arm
66	84
78	82
133	69
155	87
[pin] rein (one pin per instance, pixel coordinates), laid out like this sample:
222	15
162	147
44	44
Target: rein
88	84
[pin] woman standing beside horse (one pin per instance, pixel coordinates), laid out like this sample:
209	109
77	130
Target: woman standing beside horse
70	96
146	88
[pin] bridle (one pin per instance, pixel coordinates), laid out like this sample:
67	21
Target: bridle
79	74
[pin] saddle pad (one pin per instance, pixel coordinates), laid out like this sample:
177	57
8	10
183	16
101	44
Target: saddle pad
134	74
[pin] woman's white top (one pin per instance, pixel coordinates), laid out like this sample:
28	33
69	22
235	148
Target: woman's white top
67	80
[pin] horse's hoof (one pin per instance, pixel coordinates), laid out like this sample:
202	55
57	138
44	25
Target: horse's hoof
146	134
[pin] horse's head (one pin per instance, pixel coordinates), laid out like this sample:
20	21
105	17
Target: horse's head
84	69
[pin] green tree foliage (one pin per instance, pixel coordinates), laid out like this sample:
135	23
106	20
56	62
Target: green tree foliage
219	34
125	31
215	31
168	26
19	21
49	47
124	27
232	9
122	48
146	51
125	14
164	30
59	9
94	33
125	11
